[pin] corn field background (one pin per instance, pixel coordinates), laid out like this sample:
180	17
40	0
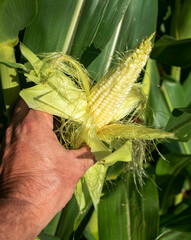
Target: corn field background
96	33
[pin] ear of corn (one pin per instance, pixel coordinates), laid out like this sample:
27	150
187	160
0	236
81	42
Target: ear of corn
111	91
103	114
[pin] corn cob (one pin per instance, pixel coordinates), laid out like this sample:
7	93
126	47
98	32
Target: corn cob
112	89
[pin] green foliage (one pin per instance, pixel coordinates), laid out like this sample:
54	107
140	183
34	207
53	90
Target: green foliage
98	33
125	206
174	52
14	16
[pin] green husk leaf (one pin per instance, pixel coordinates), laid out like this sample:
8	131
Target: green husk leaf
123	154
95	177
83	200
134	99
13	65
131	131
66	102
31	57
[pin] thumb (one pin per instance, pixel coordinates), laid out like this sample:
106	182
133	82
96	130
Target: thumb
86	158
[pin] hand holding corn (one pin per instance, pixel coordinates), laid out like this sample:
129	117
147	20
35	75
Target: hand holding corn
108	116
38	175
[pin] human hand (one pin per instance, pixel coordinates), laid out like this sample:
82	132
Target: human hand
38	175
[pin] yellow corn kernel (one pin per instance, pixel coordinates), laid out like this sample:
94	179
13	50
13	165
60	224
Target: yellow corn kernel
112	89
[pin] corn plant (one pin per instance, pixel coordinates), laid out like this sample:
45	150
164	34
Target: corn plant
110	100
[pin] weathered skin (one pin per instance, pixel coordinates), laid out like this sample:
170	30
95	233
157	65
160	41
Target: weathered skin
38	176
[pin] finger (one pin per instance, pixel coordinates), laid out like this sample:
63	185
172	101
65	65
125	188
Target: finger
20	112
86	157
26	118
40	119
23	111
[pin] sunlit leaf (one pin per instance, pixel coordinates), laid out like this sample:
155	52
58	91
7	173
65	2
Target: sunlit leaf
119	212
157	109
170	178
172	52
14	16
180	123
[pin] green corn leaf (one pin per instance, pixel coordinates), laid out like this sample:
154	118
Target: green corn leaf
44	236
181	20
103	61
55	32
174	94
177	96
52	225
112	16
112	214
178	221
92	13
180	123
174	52
157	114
125	214
14	16
138	23
186	88
174	235
66	223
91	230
170	177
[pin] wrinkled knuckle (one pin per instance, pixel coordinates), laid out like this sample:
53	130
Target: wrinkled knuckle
27	126
22	130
